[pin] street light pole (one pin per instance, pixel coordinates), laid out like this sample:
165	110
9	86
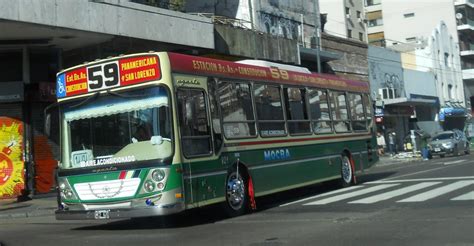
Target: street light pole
317	23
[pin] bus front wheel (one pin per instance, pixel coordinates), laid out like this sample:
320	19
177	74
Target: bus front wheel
346	171
237	198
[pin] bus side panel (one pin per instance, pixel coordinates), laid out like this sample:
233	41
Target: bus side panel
306	165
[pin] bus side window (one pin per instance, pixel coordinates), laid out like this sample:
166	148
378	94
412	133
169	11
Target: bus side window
268	103
319	111
339	111
194	124
357	112
235	101
296	114
368	110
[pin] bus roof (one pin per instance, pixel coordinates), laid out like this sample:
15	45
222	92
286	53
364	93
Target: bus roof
207	66
140	68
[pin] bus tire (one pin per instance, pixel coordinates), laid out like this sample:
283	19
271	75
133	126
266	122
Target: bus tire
347	174
236	194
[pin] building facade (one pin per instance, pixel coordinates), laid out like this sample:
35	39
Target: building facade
387	21
345	18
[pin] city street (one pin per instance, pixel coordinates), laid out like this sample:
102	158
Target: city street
415	203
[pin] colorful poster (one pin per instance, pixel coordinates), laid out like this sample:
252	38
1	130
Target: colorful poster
11	158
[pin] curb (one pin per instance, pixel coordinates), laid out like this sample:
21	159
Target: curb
398	161
29	214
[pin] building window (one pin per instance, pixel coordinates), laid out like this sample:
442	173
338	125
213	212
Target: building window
446	56
450	92
358	14
377	22
372	2
349	33
361	36
408	15
348	11
375	18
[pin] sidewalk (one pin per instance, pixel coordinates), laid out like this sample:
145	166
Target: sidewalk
402	157
43	205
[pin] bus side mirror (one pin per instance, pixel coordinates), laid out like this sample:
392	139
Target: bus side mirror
47	118
47	124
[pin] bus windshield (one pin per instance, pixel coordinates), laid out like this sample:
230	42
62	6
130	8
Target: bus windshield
117	128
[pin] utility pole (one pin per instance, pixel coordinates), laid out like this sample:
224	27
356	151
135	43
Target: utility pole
317	23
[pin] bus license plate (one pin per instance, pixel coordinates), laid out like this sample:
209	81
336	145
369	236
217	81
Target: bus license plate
102	214
437	149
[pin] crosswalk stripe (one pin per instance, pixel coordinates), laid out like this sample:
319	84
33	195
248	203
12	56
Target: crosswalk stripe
418	180
438	191
465	197
350	194
324	194
398	192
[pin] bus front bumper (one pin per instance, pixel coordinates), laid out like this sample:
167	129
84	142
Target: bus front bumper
119	213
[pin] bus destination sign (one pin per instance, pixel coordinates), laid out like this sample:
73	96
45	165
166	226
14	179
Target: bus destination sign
111	74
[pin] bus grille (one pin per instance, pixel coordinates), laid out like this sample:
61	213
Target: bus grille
107	189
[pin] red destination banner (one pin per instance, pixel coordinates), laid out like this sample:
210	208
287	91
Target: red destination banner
136	70
207	66
107	75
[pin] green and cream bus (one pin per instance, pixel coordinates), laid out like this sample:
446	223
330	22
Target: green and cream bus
158	133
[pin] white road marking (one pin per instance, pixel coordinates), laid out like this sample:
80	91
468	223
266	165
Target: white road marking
438	191
465	197
418	180
454	162
350	194
395	193
324	194
424	171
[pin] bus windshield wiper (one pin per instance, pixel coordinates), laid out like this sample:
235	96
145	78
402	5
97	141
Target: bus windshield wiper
87	100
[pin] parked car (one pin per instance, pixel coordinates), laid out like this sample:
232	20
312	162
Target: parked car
449	142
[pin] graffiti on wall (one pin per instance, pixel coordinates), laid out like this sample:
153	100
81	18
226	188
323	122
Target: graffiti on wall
280	26
11	159
385	79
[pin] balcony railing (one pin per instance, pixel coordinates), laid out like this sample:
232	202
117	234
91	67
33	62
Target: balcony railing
223	20
164	4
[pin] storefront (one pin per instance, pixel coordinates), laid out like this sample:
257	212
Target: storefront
453	117
27	159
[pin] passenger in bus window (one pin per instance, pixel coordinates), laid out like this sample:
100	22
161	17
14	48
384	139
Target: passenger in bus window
143	132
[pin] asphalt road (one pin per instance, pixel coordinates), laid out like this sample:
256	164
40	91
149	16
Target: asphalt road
423	203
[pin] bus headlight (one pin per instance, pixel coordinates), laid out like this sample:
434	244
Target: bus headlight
158	175
65	189
149	186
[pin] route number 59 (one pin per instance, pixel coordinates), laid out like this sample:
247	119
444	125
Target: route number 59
103	76
279	74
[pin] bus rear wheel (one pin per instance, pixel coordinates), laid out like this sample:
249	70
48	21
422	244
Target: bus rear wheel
237	199
346	171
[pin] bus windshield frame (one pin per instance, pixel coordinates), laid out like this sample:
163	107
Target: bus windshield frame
116	128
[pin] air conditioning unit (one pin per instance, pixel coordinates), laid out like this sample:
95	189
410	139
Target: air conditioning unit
348	16
387	93
360	20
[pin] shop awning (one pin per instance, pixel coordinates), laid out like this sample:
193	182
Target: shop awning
405	101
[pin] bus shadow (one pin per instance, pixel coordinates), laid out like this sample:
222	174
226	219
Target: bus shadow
215	213
199	216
